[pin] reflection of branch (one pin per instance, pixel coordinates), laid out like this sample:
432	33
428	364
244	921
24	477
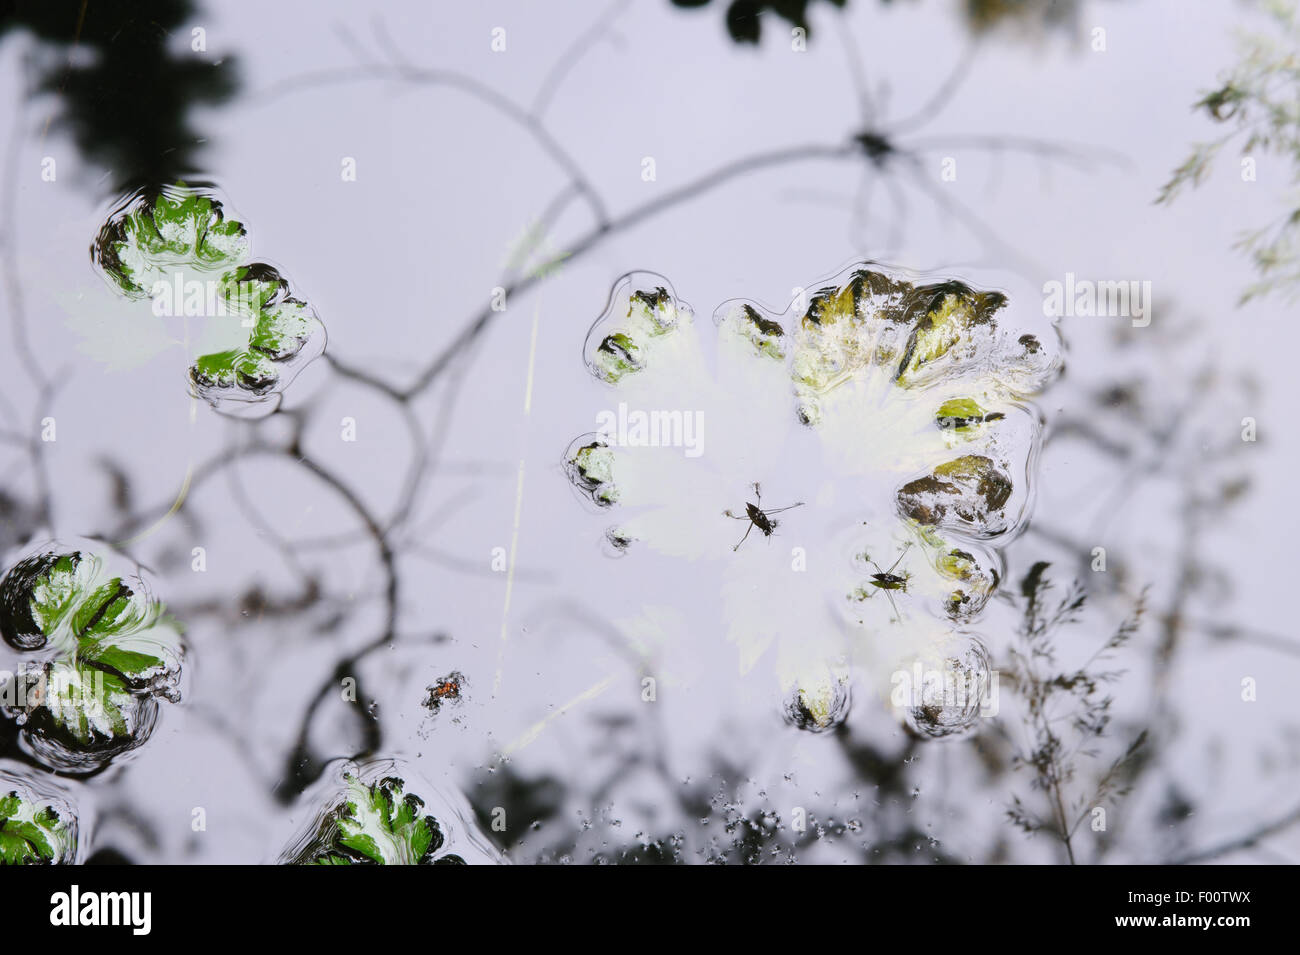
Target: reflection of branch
45	386
1247	841
970	220
1234	631
300	767
627	220
464	84
8	215
1081	156
941	97
1088	431
464	565
633	217
570	57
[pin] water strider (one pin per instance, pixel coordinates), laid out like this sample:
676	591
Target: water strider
758	517
889	581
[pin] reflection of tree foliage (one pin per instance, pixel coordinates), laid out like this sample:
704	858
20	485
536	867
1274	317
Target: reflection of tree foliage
745	17
124	88
1255	103
1068	713
1143	425
983	15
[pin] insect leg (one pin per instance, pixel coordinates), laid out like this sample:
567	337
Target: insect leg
898	558
742	540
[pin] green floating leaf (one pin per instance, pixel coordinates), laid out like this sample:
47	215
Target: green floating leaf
819	702
632	337
158	230
155	237
591	468
616	357
963	414
767	336
953	312
32	831
377	824
279	328
114	655
916	334
977	582
40	591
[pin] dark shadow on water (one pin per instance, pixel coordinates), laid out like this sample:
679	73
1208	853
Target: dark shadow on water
125	77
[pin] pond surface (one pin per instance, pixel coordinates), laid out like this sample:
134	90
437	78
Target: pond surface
477	434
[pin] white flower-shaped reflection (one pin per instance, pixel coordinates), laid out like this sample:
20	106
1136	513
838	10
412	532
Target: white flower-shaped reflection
879	434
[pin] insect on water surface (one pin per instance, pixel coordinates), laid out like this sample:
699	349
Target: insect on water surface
887	580
758	517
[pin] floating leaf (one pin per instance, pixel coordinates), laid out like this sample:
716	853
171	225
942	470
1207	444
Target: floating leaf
969	491
157	238
154	231
109	653
280	330
964	415
651	314
375	823
944	330
591	467
33	830
899	404
764	334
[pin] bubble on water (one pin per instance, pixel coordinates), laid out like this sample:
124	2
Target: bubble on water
383	813
97	653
